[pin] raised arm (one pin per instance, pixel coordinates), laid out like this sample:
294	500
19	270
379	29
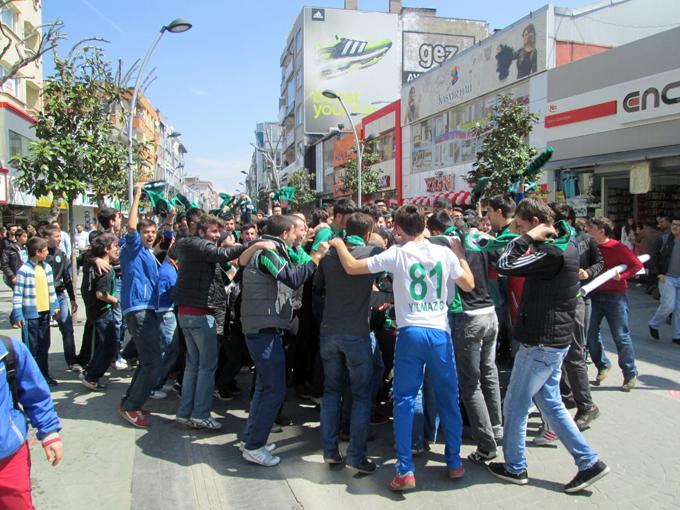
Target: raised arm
133	219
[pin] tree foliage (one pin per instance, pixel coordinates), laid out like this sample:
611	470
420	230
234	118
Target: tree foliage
369	176
304	194
504	152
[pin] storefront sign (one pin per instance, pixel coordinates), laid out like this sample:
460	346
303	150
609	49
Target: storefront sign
423	51
614	107
498	61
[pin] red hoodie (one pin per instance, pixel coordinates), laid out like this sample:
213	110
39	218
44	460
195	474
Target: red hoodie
615	253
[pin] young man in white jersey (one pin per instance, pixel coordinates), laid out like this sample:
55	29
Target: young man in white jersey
421	273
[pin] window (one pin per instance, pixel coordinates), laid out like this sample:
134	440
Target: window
291	94
8	18
11	86
298	41
298	115
298	79
18	144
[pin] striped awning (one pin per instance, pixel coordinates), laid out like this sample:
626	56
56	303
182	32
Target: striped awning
460	198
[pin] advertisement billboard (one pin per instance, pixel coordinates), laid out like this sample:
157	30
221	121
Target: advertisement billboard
498	61
357	55
423	51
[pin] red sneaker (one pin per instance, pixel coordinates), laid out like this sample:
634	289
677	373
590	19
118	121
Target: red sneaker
145	411
456	473
136	418
403	482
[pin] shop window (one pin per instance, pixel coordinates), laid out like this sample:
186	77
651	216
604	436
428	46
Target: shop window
18	144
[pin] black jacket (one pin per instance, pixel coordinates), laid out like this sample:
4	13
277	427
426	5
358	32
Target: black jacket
661	255
197	259
10	261
589	255
61	272
547	309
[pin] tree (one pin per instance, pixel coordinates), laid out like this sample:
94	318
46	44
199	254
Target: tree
504	152
78	146
304	194
369	176
35	43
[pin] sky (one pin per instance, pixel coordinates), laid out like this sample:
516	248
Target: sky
216	81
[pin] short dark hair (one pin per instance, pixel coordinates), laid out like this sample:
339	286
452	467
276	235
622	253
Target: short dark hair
208	219
372	211
93	235
359	224
277	225
19	232
534	208
106	216
101	243
344	207
34	245
193	215
410	220
503	202
248	226
48	231
227	216
439	221
563	212
319	216
603	223
144	223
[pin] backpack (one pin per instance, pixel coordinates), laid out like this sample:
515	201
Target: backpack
10	362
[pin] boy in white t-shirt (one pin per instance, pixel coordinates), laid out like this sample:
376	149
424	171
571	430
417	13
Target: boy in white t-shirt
421	272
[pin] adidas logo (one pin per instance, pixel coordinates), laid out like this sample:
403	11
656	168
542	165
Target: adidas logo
352	47
318	14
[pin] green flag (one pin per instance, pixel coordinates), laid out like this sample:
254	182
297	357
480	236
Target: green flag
479	241
533	168
158	202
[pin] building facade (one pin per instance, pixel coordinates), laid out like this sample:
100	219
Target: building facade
364	57
202	193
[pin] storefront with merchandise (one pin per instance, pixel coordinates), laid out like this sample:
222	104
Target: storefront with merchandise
615	131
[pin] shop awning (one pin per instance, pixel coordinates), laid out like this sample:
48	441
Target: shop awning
615	157
461	198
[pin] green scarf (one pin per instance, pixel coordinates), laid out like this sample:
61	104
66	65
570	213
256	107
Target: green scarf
298	256
286	193
479	242
355	241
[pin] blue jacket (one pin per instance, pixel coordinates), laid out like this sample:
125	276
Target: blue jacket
24	300
167	277
34	396
139	283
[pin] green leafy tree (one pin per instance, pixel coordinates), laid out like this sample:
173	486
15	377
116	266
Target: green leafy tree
369	176
504	152
78	147
304	194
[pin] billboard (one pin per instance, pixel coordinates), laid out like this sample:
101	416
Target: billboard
498	61
425	51
353	53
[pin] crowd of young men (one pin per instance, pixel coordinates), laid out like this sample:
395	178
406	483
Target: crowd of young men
431	300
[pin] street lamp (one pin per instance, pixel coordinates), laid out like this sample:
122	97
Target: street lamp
176	26
333	95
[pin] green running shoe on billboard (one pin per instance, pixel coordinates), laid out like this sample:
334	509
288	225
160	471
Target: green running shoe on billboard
345	55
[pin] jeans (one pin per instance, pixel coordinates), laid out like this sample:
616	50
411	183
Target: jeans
353	354
425	415
65	322
198	383
669	292
475	346
536	375
143	327
118	319
38	340
574	365
417	347
266	351
613	307
167	322
106	349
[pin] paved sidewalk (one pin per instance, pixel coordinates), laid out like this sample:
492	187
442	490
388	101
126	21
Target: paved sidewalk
108	464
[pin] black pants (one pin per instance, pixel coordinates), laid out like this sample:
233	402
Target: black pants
107	346
38	331
574	370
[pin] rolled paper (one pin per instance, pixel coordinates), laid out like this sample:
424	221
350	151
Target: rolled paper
606	276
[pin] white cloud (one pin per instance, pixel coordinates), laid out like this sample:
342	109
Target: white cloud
225	174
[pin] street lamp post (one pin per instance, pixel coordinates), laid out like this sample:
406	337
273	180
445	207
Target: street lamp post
176	26
333	95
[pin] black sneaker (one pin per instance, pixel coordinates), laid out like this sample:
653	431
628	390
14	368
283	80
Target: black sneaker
283	421
51	381
366	466
498	470
587	477
654	332
222	395
334	458
583	418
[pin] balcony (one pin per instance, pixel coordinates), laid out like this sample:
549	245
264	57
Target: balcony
289	139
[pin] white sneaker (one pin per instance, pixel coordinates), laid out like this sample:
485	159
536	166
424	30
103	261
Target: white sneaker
261	456
120	364
207	423
270	447
158	395
545	438
183	421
